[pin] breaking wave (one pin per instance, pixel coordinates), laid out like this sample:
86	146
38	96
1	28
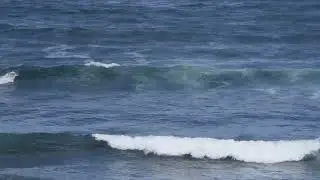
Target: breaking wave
247	151
215	149
8	78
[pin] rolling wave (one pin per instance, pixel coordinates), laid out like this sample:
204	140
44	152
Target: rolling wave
215	149
177	77
247	151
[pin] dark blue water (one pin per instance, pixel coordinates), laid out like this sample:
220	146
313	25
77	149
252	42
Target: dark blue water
159	89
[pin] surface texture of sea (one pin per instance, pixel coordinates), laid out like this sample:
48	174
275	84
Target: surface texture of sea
160	89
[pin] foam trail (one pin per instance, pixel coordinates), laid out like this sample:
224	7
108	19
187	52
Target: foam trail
8	78
248	151
100	64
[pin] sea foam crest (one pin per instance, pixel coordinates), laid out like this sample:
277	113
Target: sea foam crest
8	78
248	151
100	64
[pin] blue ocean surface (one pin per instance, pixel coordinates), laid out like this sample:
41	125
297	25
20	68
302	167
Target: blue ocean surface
160	89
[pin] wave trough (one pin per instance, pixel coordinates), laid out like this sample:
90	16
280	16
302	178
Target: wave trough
247	151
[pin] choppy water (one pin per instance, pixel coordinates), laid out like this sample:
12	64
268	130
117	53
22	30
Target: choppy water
159	89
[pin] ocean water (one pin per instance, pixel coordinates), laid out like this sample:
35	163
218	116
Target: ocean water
160	89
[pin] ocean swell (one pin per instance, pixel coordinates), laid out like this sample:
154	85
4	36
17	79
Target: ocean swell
118	77
31	143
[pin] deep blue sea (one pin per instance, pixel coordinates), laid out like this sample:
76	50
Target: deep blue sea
160	89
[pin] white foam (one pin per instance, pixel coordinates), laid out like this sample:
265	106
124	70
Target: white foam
8	78
248	151
100	64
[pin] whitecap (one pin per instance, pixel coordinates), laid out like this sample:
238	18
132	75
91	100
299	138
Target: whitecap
100	64
8	78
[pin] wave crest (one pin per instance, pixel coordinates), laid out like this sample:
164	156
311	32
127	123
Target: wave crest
248	151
